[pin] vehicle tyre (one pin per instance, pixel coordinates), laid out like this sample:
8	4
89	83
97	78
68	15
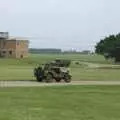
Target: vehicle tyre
49	78
39	79
58	79
67	78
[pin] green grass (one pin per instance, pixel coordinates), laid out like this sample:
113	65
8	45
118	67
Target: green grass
35	59
60	103
96	74
16	73
22	69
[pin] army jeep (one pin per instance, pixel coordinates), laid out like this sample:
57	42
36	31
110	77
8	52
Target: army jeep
53	71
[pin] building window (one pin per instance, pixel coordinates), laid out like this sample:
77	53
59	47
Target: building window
21	56
4	52
10	52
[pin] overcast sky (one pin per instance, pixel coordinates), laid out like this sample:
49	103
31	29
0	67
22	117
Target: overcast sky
62	24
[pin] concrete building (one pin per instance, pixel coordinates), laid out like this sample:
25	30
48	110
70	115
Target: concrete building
12	47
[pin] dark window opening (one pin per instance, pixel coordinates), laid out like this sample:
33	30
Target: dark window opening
21	56
10	52
4	52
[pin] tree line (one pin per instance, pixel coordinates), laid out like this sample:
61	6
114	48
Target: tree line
49	50
109	47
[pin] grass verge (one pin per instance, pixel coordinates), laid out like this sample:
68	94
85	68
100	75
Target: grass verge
60	103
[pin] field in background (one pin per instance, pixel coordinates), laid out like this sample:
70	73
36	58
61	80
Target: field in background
83	67
60	103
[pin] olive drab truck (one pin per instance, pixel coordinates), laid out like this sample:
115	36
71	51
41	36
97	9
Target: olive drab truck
56	70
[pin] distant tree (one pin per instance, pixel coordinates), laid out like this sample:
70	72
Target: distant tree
109	47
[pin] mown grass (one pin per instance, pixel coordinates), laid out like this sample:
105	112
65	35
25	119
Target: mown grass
22	69
60	103
96	74
35	59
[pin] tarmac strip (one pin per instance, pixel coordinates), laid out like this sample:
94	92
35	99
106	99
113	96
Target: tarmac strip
38	84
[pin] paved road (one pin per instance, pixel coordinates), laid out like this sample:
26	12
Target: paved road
37	84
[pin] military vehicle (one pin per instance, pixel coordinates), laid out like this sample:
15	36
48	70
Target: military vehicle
56	70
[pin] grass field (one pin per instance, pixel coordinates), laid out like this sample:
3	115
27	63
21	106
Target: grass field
60	103
90	67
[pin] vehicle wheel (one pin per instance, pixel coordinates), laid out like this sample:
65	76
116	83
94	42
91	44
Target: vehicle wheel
67	78
39	79
58	79
49	78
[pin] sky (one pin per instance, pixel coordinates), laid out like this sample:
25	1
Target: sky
65	24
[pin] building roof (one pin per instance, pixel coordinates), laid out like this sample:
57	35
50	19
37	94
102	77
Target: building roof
17	39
